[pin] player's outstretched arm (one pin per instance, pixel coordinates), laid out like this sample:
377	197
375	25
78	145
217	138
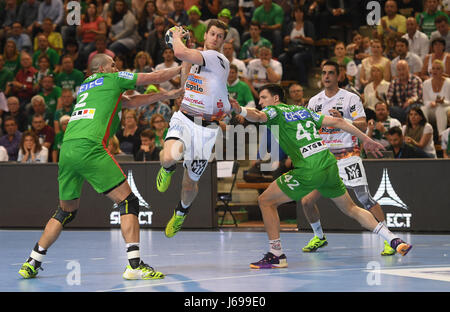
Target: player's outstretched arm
182	52
251	114
370	145
158	76
147	99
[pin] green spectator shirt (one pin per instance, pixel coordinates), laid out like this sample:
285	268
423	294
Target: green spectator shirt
70	81
199	31
247	48
273	17
61	112
96	114
5	77
52	55
298	136
12	66
51	100
427	21
241	92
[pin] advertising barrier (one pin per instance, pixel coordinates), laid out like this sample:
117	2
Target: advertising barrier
29	195
414	194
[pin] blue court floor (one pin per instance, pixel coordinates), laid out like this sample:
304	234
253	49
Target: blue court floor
218	261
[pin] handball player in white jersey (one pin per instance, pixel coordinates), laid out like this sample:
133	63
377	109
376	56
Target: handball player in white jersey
336	102
193	129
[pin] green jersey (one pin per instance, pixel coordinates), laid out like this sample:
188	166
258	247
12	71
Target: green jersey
299	137
96	113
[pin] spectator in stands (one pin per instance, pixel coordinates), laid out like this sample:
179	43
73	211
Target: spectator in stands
179	16
11	140
148	151
71	49
38	107
54	38
143	63
239	90
436	96
376	90
270	16
31	150
389	51
391	23
7	18
59	137
250	47
43	71
45	133
22	85
263	70
177	104
418	42
156	43
17	112
11	57
409	8
53	9
398	146
338	12
22	39
437	53
414	61
123	34
5	75
445	138
129	134
160	127
28	14
197	27
70	77
356	49
245	12
209	8
169	62
67	105
157	107
377	128
376	57
233	35
164	7
50	93
44	48
426	19
146	21
404	91
100	47
418	132
296	95
298	43
341	59
91	25
228	51
121	62
442	31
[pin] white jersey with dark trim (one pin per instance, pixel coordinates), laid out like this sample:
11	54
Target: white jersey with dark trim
350	107
206	93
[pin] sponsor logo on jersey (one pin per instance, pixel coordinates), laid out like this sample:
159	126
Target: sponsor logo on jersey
353	171
195	84
329	130
126	75
89	85
271	112
297	115
83	114
313	148
194	102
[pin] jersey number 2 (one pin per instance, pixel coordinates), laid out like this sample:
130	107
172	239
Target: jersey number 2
82	101
302	133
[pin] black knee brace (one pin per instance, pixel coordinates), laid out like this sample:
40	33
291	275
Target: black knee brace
129	205
64	217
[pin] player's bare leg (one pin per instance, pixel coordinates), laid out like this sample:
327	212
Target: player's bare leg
169	155
313	216
268	202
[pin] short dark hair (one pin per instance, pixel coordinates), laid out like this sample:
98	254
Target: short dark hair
9	118
273	89
395	130
234	67
218	24
382	103
403	40
255	23
148	133
331	63
440	19
439	39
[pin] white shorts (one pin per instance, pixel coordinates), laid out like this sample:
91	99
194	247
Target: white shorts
351	171
198	143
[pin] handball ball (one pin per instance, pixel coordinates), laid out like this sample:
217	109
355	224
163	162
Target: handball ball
169	37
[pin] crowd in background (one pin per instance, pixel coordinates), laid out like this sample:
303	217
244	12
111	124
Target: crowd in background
400	68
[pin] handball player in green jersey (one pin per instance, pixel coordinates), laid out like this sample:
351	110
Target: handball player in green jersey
315	168
85	157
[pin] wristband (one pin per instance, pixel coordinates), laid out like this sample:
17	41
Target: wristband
243	112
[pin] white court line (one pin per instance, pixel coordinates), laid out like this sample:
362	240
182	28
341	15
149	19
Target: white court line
180	254
95	259
247	276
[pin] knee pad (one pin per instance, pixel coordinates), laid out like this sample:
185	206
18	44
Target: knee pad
364	197
129	205
64	217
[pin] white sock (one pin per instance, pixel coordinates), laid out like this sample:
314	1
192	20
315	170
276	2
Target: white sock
384	232
275	247
317	228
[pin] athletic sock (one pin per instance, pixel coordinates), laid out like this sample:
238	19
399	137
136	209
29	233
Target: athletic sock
133	254
275	247
317	228
37	256
384	232
182	209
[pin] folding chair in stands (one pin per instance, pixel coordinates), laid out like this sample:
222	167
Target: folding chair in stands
226	198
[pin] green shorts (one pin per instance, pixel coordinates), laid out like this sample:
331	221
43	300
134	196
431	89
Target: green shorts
82	160
297	183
